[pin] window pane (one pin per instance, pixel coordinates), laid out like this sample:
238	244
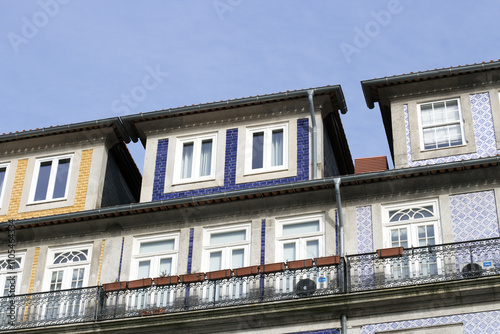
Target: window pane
206	157
226	237
8	281
43	181
277	148
187	160
144	269
289	252
166	267
426	114
77	278
238	258
215	261
61	178
3	170
56	280
300	228
157	246
312	249
258	150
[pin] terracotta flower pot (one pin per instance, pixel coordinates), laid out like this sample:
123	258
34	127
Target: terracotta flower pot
390	252
140	283
219	274
246	271
272	268
115	286
300	264
192	278
168	280
333	260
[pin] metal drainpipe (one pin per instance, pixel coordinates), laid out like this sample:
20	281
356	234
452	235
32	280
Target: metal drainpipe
343	317
314	135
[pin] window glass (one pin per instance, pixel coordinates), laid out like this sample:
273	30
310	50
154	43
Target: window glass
300	228
61	178
289	252
258	150
42	184
3	171
156	246
238	258
206	157
312	249
227	237
441	123
215	261
154	256
187	160
277	148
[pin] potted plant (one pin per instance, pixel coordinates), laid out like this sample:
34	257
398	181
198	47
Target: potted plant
165	279
114	286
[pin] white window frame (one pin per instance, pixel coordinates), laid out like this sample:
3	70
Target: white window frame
300	239
52	178
412	269
67	268
195	169
2	189
5	273
154	257
267	146
422	127
226	248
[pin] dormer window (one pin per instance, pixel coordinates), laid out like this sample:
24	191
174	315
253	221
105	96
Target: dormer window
195	159
441	124
267	148
50	180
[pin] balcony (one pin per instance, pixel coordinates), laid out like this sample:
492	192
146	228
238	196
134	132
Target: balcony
256	285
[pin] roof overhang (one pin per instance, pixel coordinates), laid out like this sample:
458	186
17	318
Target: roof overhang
335	93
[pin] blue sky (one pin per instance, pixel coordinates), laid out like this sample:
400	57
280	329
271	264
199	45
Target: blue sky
68	61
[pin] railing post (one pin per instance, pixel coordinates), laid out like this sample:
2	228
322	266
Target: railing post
346	275
99	302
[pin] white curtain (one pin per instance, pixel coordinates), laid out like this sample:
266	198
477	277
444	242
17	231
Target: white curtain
277	148
187	160
206	158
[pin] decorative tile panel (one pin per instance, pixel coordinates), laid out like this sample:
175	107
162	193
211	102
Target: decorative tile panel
230	167
484	133
473	323
364	229
263	242
474	216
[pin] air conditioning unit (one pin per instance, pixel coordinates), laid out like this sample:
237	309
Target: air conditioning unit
305	287
475	269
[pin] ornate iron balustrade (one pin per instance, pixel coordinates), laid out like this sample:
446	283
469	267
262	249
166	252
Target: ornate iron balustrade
49	308
359	272
232	291
423	265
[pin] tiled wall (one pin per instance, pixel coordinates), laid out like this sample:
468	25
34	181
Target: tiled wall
473	323
230	166
364	229
483	130
474	216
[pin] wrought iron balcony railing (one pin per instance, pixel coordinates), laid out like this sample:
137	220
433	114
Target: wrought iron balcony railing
258	284
423	265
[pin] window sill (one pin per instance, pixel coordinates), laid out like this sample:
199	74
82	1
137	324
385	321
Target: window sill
47	201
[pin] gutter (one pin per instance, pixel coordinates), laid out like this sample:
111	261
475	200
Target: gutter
290	187
314	135
445	72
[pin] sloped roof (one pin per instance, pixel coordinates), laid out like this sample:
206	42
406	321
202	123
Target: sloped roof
335	92
114	123
371	87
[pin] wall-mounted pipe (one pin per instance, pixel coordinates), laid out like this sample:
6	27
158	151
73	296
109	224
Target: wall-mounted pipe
310	92
336	181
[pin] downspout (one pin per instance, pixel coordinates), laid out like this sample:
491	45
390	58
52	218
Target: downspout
343	317
314	135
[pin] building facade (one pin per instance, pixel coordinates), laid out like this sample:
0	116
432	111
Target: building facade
252	218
